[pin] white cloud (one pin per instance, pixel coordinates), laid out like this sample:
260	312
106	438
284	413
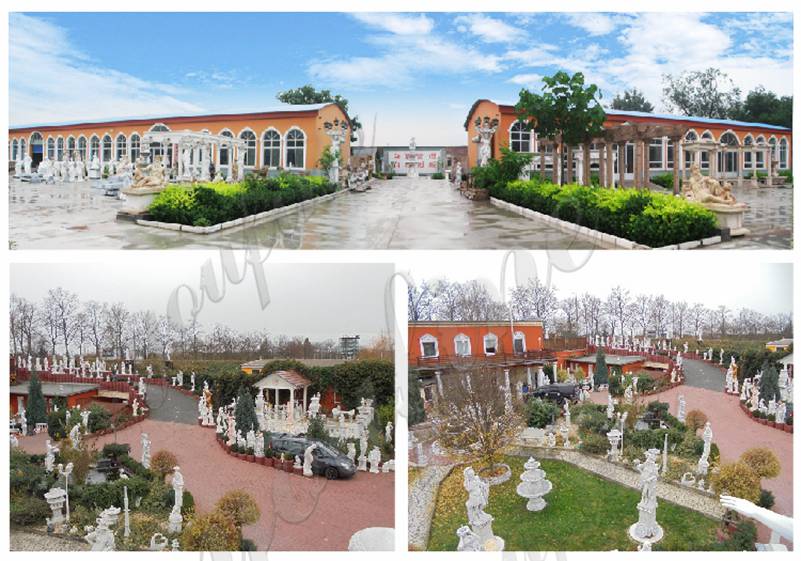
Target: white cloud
593	23
530	81
50	80
399	24
489	30
404	58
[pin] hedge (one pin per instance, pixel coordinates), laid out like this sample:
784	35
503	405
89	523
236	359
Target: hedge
649	218
204	204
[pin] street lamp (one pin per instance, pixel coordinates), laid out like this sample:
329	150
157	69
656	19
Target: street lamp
336	131
66	472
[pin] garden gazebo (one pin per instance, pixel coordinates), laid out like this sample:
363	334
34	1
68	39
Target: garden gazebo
290	380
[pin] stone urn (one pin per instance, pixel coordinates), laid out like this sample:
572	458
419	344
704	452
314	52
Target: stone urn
137	201
534	485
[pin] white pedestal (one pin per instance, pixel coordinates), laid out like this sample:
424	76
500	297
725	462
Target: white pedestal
729	216
137	201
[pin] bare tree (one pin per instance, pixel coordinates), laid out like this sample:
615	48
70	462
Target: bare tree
48	315
116	323
95	314
617	306
446	303
641	312
592	310
659	314
534	300
722	315
420	301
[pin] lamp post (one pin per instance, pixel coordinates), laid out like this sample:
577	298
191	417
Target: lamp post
66	472
485	128
336	131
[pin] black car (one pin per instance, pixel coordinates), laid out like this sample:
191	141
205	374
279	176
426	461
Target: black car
558	393
328	461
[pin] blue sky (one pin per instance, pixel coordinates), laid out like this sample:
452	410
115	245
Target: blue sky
416	74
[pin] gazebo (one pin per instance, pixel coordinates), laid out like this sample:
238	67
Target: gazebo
290	380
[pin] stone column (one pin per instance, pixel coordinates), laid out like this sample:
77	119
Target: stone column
621	163
740	162
637	163
644	165
556	163
769	166
585	170
602	163
569	164
676	164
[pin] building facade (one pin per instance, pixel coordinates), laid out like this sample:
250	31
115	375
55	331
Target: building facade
740	143
290	137
446	340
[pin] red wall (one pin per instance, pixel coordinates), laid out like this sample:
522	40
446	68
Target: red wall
445	333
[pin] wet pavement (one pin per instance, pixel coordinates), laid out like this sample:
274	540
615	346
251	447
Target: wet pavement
700	374
402	213
396	214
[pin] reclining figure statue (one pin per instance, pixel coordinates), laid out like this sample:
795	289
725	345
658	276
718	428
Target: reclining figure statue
702	189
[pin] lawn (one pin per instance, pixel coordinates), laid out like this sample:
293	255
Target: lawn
584	513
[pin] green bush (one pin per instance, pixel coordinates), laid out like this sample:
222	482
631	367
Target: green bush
592	443
99	418
742	539
540	412
592	420
649	218
211	203
788	174
115	451
28	509
664	180
438	175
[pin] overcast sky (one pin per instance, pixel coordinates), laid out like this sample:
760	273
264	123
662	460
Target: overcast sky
320	301
741	281
405	74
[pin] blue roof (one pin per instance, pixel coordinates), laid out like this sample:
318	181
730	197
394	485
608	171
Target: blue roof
728	122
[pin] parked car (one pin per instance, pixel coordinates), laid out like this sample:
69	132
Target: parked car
328	461
558	393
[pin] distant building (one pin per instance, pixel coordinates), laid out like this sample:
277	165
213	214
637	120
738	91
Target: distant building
73	394
349	346
429	159
780	345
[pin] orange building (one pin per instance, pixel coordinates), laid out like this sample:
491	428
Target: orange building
736	136
290	137
446	340
73	394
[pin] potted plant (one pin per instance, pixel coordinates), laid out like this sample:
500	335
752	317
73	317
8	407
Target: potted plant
278	462
267	460
288	463
249	456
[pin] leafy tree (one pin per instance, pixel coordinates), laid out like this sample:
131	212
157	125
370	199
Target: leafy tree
36	411
601	370
308	95
240	507
567	112
162	463
245	413
769	385
540	412
210	532
632	100
708	93
762	106
763	461
417	413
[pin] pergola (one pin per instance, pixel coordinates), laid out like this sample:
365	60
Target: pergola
193	150
290	380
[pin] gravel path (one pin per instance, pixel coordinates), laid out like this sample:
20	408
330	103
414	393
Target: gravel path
23	540
422	501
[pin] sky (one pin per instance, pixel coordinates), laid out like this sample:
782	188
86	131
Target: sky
405	74
712	280
320	301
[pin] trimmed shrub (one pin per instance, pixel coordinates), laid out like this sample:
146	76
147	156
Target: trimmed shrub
739	480
210	532
654	219
238	506
763	461
245	413
664	180
601	370
99	418
36	411
28	509
438	175
162	462
540	412
695	420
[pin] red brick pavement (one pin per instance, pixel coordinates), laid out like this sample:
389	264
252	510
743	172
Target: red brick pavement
297	513
734	433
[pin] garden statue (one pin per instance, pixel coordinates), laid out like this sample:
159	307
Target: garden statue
486	130
615	437
85	419
158	542
703	461
26	164
628	394
135	407
101	538
610	407
468	540
374	458
75	436
550	439
352	452
94	168
23	422
240	165
55	497
781	413
646	529
480	521
388	432
145	440
50	456
258	445
681	415
308	458
14	441
534	485
17	168
149	176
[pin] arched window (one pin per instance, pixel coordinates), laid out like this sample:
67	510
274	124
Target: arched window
271	145
122	146
520	137
490	344
295	157
37	147
429	347
14	150
94	147
107	148
71	147
82	147
225	150
727	160
760	154
783	153
461	345
51	148
135	140
59	149
748	142
705	155
520	342
159	127
250	151
156	148
22	148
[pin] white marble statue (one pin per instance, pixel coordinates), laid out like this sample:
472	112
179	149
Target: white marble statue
145	440
308	458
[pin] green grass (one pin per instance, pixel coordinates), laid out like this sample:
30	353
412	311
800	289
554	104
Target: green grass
584	513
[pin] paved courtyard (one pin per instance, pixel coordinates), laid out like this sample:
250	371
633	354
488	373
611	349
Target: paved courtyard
401	213
297	513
